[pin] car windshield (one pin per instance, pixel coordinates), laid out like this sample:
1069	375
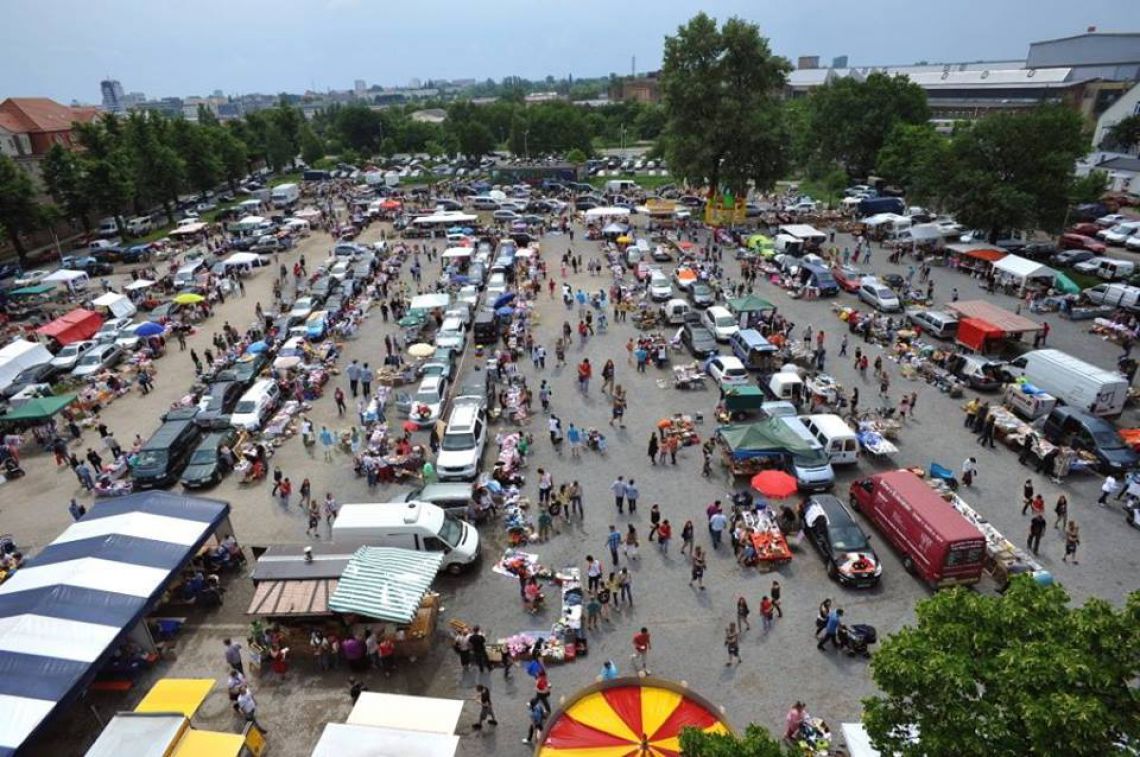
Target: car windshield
736	373
91	358
451	532
69	350
847	538
1107	439
150	458
458	442
245	406
427	396
724	321
810	458
204	456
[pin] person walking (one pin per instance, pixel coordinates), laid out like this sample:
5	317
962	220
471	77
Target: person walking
969	470
1072	540
631	495
338	397
732	644
1107	489
775	594
327	440
687	537
642	643
353	373
717	524
542	690
365	381
1062	511
742	613
233	655
284	491
613	541
248	708
1036	531
537	720
698	568
664	534
593	573
486	708
478	644
653	447
618	488
631	543
654	520
1027	496
831	629
767	616
625	587
77	510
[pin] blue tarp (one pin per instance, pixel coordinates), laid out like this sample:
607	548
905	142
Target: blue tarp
65	612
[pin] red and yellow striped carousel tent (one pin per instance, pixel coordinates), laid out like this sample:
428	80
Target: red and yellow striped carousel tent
628	717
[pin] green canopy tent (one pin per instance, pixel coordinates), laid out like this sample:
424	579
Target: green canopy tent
749	303
31	291
763	439
1064	283
39	409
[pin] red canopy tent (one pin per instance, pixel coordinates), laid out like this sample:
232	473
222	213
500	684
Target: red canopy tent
74	326
975	333
982	324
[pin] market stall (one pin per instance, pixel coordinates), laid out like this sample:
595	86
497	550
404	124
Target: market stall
37	410
749	309
71	327
984	327
628	716
171	735
752	447
1014	272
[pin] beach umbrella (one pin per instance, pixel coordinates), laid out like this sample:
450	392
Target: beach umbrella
257	348
421	349
623	239
774	484
503	299
188	298
150	329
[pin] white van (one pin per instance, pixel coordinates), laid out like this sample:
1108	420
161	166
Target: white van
620	186
140	225
837	438
1084	386
1111	269
186	274
256	405
484	202
418	526
1116	295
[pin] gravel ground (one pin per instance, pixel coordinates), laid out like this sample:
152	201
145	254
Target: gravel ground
687	624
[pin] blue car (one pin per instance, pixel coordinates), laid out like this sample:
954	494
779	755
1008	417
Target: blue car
316	325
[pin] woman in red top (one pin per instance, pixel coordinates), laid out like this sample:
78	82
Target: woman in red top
542	690
278	663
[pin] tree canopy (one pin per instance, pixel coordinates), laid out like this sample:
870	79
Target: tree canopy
754	742
1124	134
19	212
723	116
851	119
1020	674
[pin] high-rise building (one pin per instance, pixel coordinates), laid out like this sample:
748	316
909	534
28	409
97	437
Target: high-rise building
360	87
112	95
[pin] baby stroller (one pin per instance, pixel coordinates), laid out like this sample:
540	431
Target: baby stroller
944	474
856	639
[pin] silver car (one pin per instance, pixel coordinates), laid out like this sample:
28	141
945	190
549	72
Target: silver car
97	359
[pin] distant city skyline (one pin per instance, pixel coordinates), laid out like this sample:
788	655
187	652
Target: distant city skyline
269	46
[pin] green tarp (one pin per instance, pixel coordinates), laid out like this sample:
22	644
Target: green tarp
39	409
385	583
749	304
32	290
1064	283
755	439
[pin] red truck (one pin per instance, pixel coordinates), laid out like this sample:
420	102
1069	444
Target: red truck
935	540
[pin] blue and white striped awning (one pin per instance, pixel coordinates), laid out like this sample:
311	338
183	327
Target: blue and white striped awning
385	583
65	611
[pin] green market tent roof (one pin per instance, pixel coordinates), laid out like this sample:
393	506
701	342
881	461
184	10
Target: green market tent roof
39	409
755	439
1064	283
385	583
32	290
749	304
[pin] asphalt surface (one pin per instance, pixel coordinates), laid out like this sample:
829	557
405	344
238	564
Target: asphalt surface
687	624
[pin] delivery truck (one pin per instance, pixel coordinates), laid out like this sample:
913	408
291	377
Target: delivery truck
1072	381
935	541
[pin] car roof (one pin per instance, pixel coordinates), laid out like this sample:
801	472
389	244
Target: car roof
729	361
832	506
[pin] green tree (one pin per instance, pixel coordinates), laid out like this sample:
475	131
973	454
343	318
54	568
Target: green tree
755	742
1013	170
63	175
19	212
851	119
312	148
1088	188
195	147
914	157
649	122
723	117
233	154
576	156
279	151
1124	134
1020	674
158	172
360	128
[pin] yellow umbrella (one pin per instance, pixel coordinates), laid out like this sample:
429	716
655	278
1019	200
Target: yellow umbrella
422	349
188	298
624	240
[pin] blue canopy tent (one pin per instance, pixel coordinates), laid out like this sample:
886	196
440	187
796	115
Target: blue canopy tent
65	612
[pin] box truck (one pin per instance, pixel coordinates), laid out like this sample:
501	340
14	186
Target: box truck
935	541
1073	381
284	195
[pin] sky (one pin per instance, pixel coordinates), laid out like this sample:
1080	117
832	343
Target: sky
63	48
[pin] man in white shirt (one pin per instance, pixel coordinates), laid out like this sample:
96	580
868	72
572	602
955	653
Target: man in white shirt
248	708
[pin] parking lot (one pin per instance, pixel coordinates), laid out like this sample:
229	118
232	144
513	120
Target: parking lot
687	624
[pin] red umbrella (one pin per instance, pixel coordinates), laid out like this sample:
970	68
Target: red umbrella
774	484
409	426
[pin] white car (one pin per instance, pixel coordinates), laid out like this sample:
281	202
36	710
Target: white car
879	296
97	358
128	337
424	407
469	295
1119	233
451	339
505	215
727	370
340	270
659	287
720	322
496	287
30	277
71	354
1111	220
111	330
301	309
1089	266
461	448
1133	242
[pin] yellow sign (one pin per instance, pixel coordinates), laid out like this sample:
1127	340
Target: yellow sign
254	740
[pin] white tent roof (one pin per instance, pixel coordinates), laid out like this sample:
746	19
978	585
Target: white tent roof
458	252
430	301
17	347
927	231
307	214
1022	268
342	740
108	299
802	231
64	275
242	258
881	218
447	218
188	229
607	211
139	284
409	713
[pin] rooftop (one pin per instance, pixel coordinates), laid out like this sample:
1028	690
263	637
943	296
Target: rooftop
40	114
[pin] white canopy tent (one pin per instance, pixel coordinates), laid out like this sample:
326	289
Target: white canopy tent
1021	270
458	252
342	740
446	218
188	229
243	258
925	232
430	301
409	713
606	212
65	276
307	214
138	284
882	219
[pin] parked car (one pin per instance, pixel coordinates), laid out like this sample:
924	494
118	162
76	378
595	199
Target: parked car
217	403
659	287
44	373
936	323
425	406
879	296
206	466
847	277
98	358
720	322
67	357
698	340
302	309
1081	242
701	294
1088	266
844	546
461	447
1071	257
727	370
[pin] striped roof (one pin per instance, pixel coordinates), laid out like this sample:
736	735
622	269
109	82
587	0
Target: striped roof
66	610
385	583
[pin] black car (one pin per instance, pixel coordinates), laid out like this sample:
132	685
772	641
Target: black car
893	280
1071	427
1071	257
206	466
843	545
1038	250
218	403
44	373
245	369
698	340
